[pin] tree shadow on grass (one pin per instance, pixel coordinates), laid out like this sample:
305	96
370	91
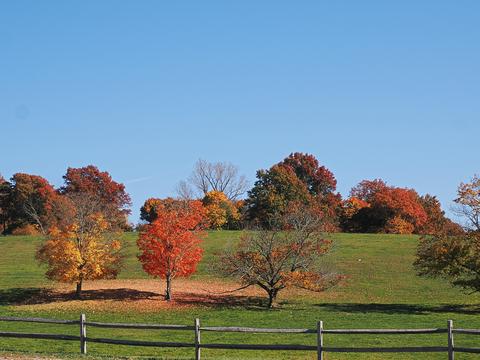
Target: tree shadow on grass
18	295
414	309
36	296
220	300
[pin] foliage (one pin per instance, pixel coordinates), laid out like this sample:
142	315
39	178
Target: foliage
272	193
319	180
32	200
437	221
454	258
153	206
398	225
367	189
350	208
170	245
111	195
5	205
81	251
402	203
282	257
220	211
26	230
297	179
377	207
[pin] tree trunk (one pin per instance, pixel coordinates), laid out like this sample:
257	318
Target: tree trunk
78	292
272	294
168	291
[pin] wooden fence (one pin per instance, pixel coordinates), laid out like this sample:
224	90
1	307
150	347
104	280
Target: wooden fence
319	348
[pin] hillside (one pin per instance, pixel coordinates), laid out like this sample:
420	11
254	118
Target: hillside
381	291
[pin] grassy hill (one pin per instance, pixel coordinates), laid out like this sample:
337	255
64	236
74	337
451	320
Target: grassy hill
381	291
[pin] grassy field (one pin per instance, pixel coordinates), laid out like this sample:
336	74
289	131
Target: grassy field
381	291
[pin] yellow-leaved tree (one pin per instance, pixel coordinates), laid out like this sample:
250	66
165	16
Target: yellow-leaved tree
83	250
221	212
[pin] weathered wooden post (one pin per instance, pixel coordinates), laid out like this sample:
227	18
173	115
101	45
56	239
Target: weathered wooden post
83	335
197	339
320	340
451	353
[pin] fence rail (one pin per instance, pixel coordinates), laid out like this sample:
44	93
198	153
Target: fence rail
450	349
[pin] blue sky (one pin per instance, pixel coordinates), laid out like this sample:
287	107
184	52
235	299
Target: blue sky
145	88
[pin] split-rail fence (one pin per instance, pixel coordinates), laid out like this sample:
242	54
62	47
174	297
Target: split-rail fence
320	348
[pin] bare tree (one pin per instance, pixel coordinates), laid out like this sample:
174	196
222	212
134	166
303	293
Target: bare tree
468	203
280	258
185	191
32	211
219	176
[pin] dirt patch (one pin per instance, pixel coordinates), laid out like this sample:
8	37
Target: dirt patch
143	296
24	357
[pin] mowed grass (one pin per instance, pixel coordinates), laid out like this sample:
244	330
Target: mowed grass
381	291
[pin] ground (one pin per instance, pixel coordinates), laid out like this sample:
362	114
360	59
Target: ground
381	291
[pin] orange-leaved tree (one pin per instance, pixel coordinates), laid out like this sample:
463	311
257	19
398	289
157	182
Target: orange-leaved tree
170	245
81	251
282	257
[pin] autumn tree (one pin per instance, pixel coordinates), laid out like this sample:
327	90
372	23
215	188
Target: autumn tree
367	189
455	257
170	245
219	176
468	201
387	209
113	199
437	221
153	206
298	179
33	200
221	212
5	191
375	206
281	257
272	193
350	209
83	249
318	179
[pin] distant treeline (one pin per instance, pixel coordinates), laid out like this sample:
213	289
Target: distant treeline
29	204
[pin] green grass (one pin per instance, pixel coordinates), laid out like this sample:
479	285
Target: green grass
381	291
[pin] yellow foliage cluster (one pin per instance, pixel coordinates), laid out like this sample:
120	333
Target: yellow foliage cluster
77	253
397	225
221	212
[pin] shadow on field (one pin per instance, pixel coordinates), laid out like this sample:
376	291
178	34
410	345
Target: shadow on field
18	295
35	296
220	301
402	308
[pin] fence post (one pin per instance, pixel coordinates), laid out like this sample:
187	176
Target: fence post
83	335
320	340
197	339
451	353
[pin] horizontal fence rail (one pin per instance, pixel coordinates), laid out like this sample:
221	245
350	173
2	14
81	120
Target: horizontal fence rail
450	349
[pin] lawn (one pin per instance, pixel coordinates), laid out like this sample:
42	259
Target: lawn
381	291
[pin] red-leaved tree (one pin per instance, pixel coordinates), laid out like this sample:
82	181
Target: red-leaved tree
111	195
170	245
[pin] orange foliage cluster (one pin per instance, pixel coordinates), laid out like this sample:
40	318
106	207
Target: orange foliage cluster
374	206
170	245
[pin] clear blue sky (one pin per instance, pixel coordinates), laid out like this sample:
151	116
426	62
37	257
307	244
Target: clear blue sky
143	89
